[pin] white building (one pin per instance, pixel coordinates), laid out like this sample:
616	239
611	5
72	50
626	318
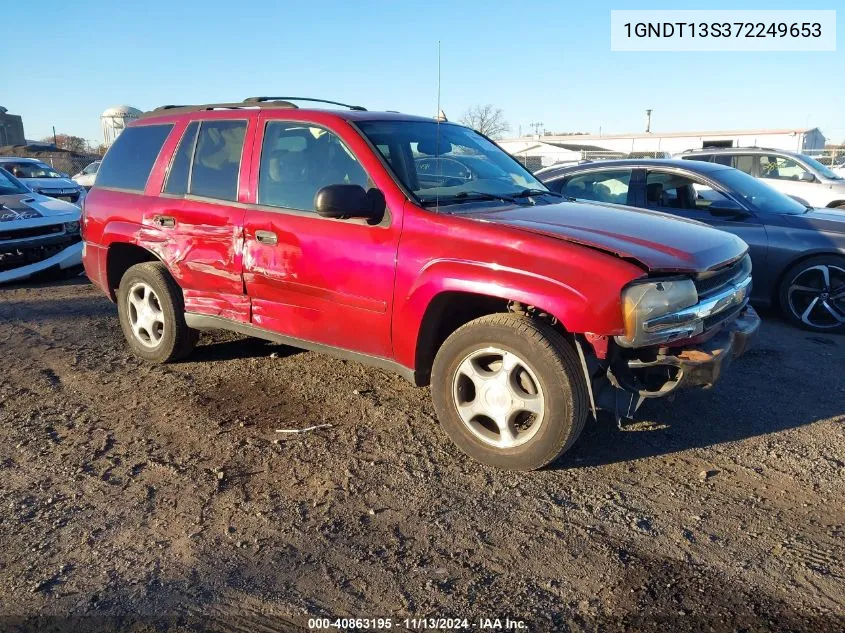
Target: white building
796	140
535	154
115	119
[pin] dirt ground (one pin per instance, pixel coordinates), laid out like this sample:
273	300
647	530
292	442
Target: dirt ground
140	498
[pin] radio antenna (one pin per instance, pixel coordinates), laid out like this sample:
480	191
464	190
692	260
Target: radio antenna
437	137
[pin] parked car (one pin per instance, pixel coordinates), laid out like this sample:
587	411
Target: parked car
798	252
38	235
797	175
314	228
86	177
43	179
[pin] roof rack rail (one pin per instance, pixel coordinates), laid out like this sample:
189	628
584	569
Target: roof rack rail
287	99
217	106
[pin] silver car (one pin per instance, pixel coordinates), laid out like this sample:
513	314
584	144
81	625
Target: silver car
87	176
43	179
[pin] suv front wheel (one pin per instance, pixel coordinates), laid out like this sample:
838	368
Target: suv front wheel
152	314
509	391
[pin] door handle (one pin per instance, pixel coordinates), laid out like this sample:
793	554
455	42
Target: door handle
267	237
164	221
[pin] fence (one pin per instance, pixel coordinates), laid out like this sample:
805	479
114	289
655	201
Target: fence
831	157
66	163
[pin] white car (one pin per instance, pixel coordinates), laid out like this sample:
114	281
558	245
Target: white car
797	175
38	234
86	176
43	179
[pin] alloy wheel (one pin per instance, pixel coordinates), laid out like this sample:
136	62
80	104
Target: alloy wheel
498	397
145	314
817	296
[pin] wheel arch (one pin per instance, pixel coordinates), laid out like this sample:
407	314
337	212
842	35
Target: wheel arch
120	257
803	257
440	305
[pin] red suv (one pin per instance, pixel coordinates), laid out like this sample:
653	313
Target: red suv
418	246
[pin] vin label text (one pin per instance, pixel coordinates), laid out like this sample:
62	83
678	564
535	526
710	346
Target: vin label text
747	30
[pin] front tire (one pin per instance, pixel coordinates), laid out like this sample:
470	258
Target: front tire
152	314
509	391
812	294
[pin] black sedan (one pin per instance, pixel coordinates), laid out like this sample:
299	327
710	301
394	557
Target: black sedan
798	253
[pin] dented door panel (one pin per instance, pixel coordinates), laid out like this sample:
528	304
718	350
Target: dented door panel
203	248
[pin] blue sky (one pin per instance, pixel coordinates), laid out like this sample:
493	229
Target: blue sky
538	61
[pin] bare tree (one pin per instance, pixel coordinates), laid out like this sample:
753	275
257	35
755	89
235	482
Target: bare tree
68	142
486	119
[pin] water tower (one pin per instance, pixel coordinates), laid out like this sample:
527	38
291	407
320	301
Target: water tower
115	119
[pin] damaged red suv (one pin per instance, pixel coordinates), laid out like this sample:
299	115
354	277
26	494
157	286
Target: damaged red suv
417	246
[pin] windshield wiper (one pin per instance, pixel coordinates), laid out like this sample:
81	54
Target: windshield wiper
468	196
525	193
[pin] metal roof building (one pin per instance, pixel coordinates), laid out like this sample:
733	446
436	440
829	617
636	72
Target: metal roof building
793	139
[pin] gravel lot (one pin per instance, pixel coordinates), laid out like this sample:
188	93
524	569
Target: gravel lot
161	498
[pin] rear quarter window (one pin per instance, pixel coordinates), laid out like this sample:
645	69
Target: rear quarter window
130	159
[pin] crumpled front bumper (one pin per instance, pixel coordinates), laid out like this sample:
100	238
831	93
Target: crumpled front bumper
702	365
64	259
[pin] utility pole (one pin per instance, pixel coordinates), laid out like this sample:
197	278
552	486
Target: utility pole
648	121
537	125
55	140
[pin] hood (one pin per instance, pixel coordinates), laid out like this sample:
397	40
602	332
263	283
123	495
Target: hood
31	210
658	241
38	184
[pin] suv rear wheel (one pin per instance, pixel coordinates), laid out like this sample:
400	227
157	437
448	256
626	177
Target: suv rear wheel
509	391
813	293
152	314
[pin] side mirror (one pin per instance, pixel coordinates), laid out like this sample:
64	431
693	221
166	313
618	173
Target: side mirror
806	177
349	201
727	209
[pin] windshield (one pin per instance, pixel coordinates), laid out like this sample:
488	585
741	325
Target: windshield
9	186
31	170
758	194
444	163
822	169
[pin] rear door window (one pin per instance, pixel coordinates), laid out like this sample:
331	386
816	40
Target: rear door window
180	168
602	186
217	160
130	159
744	162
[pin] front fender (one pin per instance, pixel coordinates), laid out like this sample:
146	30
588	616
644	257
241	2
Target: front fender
588	308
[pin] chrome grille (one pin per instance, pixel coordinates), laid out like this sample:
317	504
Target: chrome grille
712	281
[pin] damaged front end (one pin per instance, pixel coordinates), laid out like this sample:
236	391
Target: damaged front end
680	332
37	235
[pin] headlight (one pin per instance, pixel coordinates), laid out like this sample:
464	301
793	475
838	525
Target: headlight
643	305
71	227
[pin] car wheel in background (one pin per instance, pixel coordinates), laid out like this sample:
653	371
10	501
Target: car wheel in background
509	391
813	294
152	314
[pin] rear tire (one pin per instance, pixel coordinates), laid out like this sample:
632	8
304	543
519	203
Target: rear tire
152	314
509	391
812	294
